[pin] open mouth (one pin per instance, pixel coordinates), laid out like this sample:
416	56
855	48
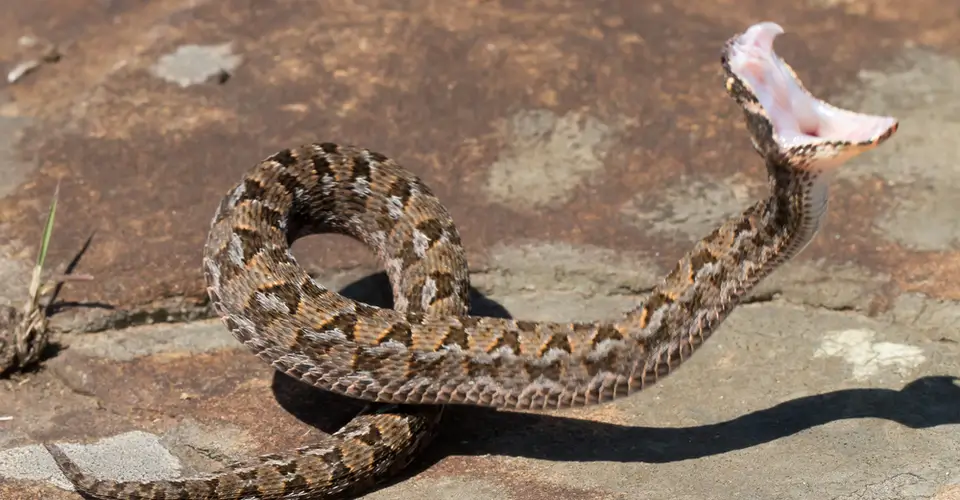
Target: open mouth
797	117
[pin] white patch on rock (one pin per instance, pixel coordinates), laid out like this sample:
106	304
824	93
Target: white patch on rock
194	64
548	157
856	347
132	456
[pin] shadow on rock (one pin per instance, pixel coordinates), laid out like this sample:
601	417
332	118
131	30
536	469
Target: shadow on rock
925	402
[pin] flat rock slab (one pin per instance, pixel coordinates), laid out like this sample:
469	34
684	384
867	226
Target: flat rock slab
582	147
788	401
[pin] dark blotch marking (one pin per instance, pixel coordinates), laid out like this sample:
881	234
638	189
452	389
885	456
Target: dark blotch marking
272	217
664	331
453	235
558	341
313	346
251	242
360	171
253	190
290	182
408	257
399	332
445	285
248	475
509	339
371	437
432	229
101	485
550	372
743	225
212	485
365	359
384	222
334	458
287	468
228	269
770	232
477	369
415	317
346	323
607	362
285	158
426	367
655	302
700	259
606	332
249	490
457	335
377	157
251	487
527	326
400	188
321	166
294	483
414	293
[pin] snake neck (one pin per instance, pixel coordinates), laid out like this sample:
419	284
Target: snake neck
723	267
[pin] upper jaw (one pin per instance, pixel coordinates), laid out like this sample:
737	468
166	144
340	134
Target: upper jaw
798	118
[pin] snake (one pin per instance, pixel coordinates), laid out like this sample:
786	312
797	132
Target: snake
426	352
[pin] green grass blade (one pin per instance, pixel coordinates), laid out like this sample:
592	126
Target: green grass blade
34	292
48	228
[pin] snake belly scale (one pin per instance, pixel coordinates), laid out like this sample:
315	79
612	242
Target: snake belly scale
428	351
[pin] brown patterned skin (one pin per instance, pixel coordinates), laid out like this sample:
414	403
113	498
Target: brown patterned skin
368	450
375	445
417	356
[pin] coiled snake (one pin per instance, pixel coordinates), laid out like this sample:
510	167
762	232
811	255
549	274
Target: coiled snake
427	350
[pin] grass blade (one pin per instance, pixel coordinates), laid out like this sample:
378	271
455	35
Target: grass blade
42	254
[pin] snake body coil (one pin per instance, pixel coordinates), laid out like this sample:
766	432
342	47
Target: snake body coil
428	351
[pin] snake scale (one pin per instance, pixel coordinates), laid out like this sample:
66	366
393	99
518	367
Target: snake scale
428	352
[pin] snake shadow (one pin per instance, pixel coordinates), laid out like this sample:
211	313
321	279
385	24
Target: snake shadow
925	402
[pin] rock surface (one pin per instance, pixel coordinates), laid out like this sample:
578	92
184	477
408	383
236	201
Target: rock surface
581	147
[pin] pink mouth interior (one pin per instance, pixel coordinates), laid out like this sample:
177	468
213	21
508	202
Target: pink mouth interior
797	116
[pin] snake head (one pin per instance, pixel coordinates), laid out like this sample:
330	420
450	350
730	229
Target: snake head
787	124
